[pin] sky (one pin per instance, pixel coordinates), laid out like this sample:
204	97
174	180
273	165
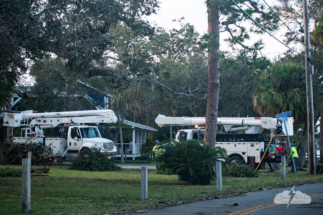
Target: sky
195	13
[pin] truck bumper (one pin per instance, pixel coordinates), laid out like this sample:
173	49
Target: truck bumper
111	155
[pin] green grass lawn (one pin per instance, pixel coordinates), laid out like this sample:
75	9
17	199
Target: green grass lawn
79	192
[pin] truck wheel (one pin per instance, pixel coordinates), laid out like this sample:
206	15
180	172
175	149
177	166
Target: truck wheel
236	160
85	153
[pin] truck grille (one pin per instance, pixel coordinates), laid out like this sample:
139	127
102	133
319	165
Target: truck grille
108	145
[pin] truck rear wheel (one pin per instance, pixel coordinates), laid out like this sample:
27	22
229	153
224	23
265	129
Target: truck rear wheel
236	160
85	153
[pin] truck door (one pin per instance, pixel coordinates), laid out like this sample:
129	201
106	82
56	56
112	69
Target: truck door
75	139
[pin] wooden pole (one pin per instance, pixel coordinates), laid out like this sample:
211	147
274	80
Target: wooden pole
144	183
26	183
309	93
218	175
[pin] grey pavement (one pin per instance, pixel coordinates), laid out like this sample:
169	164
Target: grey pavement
261	202
136	167
122	166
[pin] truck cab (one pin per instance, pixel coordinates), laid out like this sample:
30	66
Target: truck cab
74	138
84	138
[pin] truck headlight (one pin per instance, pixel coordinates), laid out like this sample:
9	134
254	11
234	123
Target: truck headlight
97	146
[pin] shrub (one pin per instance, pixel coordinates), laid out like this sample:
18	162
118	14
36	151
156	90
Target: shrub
94	161
12	153
148	146
192	161
242	170
145	157
10	173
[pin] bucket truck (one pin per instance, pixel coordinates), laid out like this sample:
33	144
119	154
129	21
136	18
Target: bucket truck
242	137
75	139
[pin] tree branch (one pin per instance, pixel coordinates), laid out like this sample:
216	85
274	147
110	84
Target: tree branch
241	44
255	6
115	74
23	95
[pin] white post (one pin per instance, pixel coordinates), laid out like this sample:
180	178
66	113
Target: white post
133	139
141	136
137	141
145	137
144	183
283	167
141	140
26	183
218	175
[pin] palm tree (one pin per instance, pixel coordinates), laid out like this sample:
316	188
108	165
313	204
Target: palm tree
282	88
192	161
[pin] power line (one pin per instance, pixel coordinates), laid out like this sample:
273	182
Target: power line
283	22
269	32
309	48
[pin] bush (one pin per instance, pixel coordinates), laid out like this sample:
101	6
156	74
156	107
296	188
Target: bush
145	157
148	146
10	173
191	161
12	153
94	161
242	170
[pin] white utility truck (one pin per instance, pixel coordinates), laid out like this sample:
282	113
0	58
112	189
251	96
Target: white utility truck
75	137
242	137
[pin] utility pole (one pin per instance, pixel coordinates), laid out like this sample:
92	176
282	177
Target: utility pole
309	93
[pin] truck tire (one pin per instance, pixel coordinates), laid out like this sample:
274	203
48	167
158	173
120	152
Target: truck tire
236	160
85	152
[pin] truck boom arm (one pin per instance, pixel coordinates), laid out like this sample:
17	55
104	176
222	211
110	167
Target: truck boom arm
52	119
53	122
268	123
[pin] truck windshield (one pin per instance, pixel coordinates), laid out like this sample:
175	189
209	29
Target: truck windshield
182	136
90	132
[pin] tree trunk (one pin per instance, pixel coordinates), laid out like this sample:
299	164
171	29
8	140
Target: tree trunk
321	133
213	74
121	139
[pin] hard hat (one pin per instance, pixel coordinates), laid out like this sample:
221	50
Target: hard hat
292	144
156	141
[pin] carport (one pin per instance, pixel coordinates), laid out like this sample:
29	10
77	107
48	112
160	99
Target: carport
139	136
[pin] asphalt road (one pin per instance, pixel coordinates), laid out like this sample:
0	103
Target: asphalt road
261	202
